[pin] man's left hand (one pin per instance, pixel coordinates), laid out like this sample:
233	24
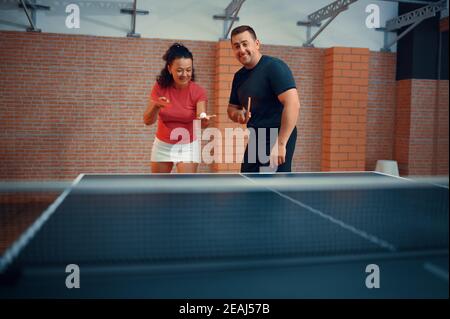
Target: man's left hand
277	155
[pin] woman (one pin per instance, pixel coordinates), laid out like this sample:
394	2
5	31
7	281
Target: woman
176	101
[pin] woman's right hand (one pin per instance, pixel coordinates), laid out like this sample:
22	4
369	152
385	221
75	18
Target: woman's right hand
161	102
153	108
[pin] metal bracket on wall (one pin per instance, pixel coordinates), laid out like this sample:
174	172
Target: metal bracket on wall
33	7
412	1
410	19
444	13
133	13
329	12
230	16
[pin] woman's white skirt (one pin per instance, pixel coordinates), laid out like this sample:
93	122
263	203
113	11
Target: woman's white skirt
175	153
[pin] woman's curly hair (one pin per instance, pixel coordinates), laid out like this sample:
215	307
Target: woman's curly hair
176	51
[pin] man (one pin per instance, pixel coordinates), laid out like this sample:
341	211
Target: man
267	83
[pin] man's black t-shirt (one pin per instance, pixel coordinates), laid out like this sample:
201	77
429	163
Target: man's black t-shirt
268	79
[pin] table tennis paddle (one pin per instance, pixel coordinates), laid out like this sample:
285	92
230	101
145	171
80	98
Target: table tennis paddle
249	105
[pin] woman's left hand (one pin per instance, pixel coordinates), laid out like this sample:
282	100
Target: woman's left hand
205	118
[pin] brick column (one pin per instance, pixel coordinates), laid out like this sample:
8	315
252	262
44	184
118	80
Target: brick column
345	109
226	66
421	127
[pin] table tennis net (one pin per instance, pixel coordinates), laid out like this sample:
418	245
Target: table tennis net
158	220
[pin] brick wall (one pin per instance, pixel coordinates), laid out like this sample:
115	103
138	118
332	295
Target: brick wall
443	24
402	125
441	131
72	104
423	108
421	142
226	66
345	109
380	108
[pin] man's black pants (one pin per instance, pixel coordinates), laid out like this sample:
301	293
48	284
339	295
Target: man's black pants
252	163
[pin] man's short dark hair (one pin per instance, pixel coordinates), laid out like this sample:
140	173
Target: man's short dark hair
242	29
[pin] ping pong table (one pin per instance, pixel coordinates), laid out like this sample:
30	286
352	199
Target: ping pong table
274	241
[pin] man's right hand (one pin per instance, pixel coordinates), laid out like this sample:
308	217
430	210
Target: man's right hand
243	116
